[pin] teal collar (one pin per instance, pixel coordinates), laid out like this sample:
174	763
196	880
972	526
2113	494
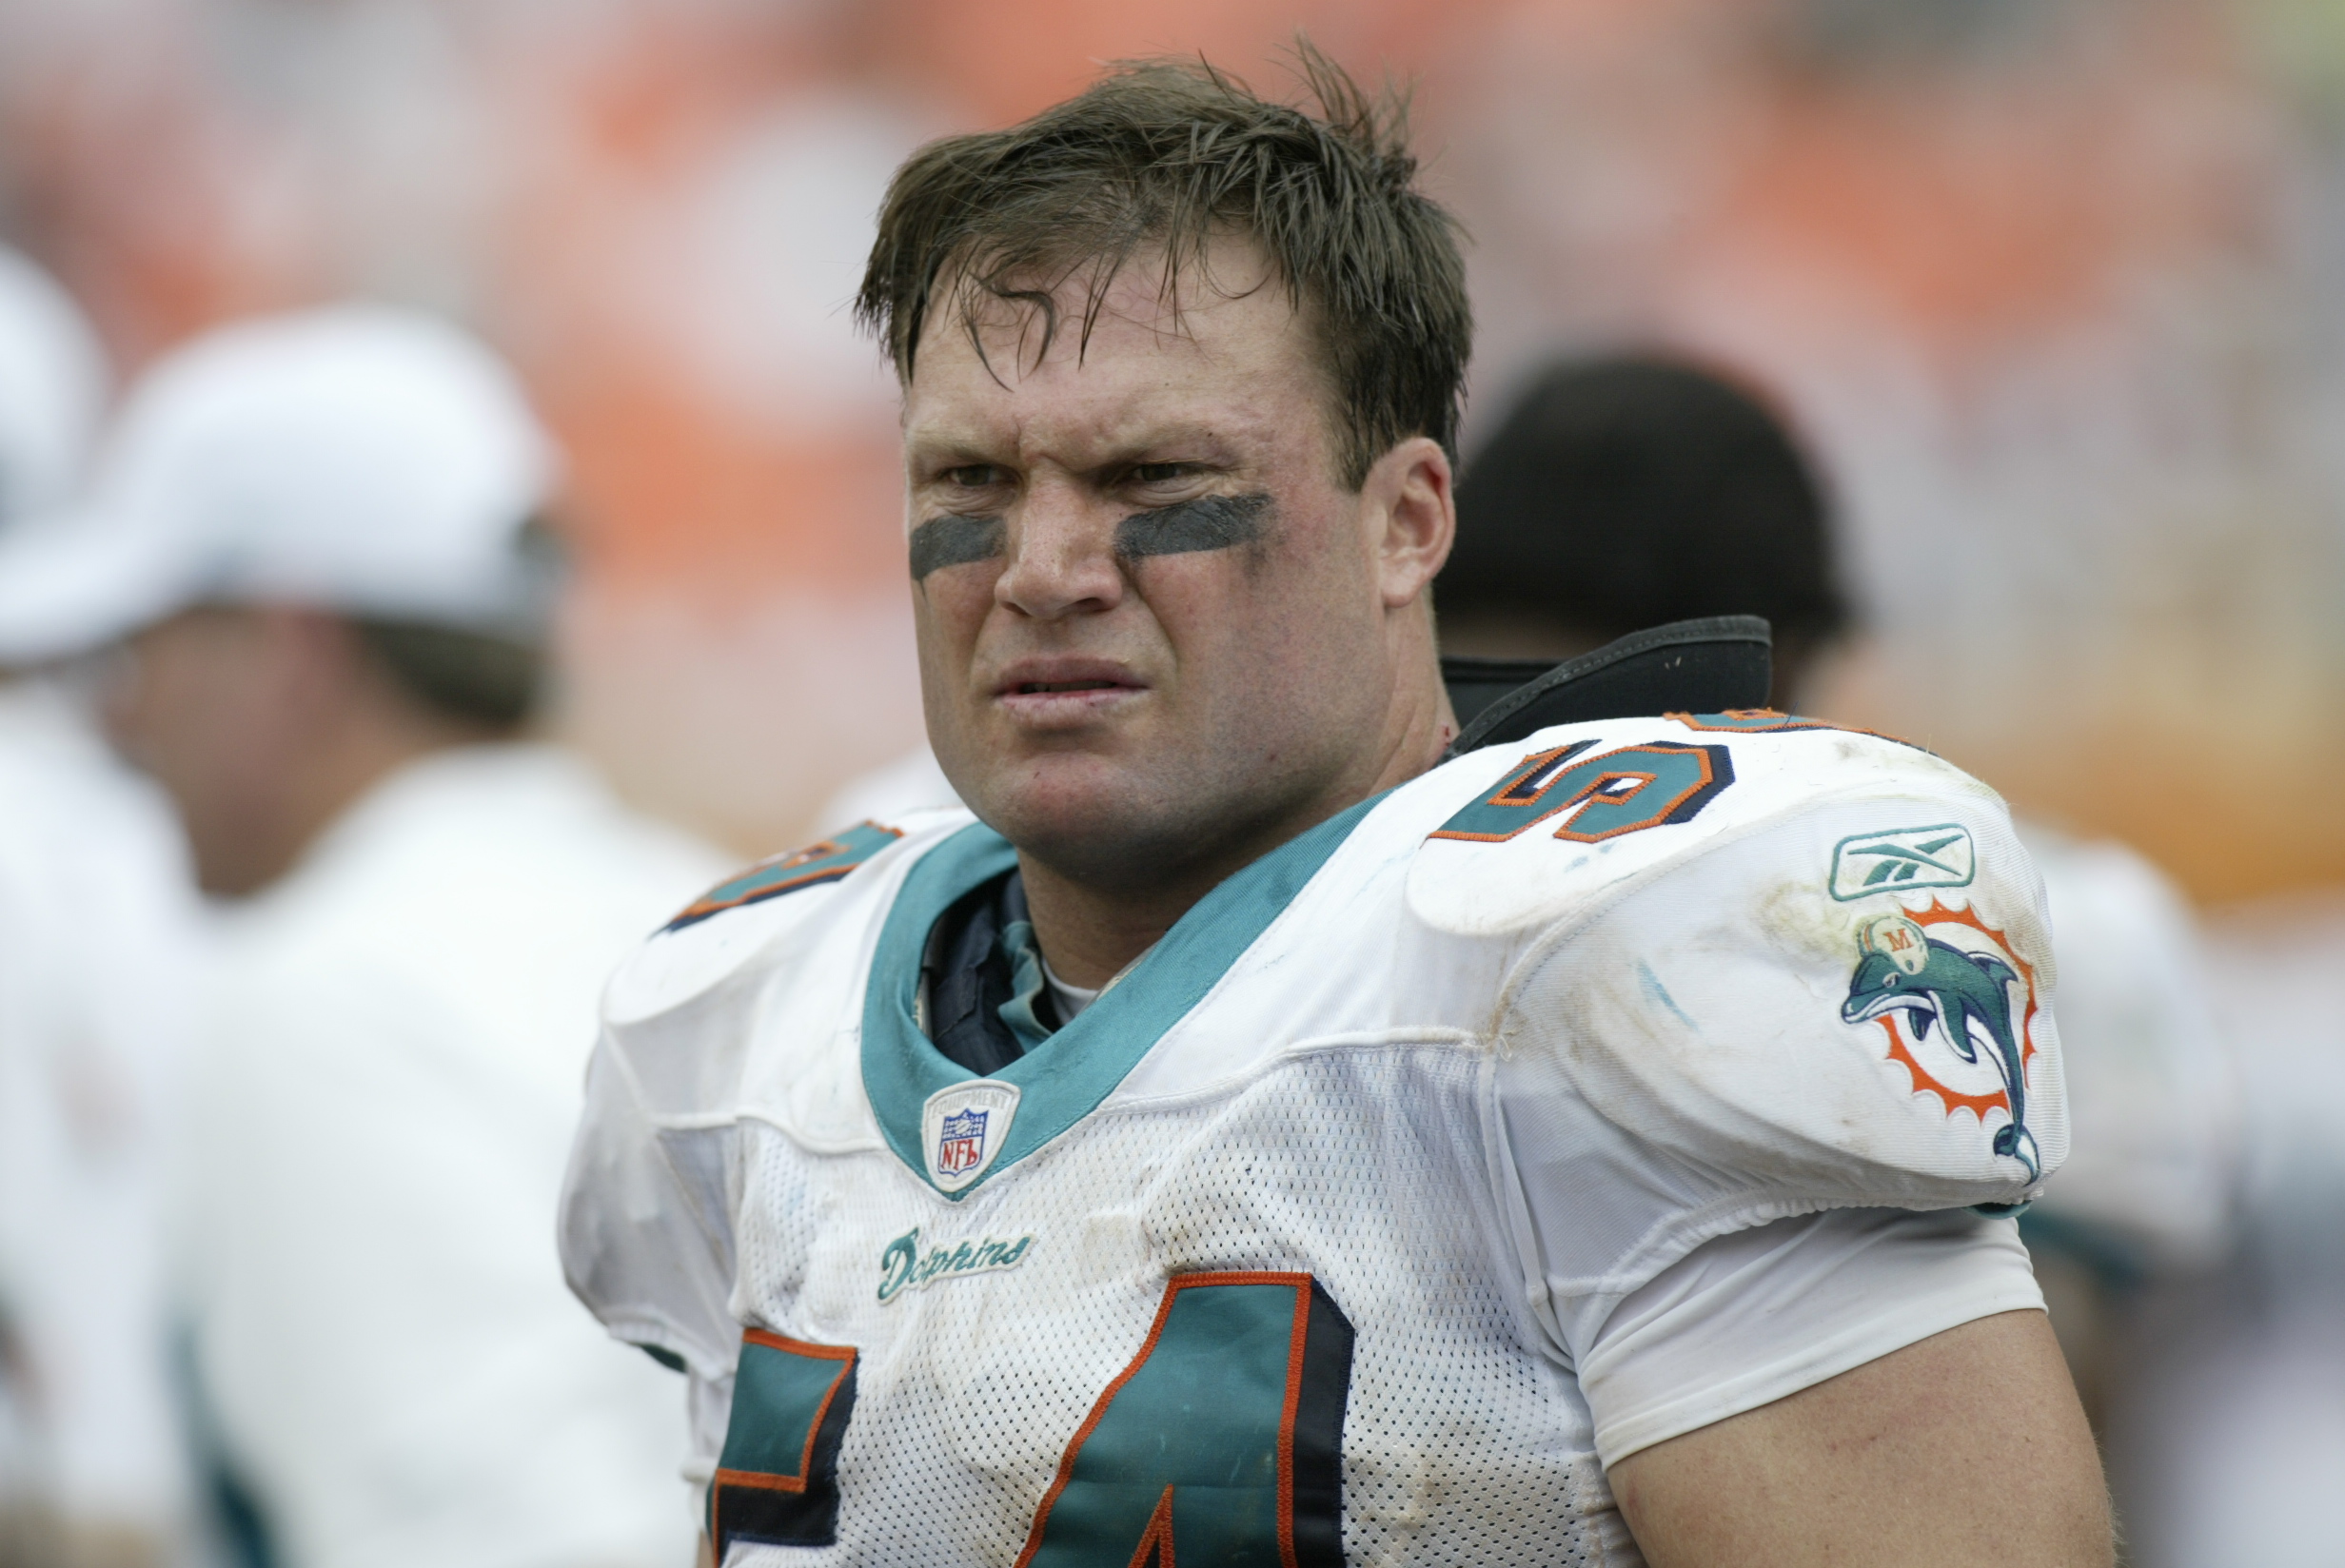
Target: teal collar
1063	1079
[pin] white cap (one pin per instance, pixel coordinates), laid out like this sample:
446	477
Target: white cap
53	381
357	459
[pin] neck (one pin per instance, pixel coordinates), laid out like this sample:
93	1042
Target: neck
1090	932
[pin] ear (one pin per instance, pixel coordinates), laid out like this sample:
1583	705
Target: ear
1411	510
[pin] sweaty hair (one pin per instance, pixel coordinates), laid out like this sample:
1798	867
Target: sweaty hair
1622	493
1163	158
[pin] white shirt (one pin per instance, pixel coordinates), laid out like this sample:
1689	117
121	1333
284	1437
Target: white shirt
2234	1431
381	1115
96	929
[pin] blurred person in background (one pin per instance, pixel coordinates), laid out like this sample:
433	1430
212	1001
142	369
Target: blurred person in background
2230	1442
95	946
1624	493
310	544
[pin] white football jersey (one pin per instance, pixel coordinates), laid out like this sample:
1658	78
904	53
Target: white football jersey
1574	1095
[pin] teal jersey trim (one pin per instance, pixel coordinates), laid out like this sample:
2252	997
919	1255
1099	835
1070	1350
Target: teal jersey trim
1063	1079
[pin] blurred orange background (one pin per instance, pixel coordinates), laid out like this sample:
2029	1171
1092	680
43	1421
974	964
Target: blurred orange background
2051	285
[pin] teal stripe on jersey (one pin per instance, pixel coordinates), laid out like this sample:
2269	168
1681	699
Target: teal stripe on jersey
777	1396
1200	1418
1063	1079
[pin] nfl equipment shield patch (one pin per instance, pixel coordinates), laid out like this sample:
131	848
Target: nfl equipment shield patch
961	1143
962	1129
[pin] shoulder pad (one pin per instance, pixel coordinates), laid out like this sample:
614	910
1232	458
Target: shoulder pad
742	917
825	860
1548	829
1849	1006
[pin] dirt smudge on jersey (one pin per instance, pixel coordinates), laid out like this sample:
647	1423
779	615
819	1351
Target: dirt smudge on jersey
1799	918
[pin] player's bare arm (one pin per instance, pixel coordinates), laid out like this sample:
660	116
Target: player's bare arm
1826	1476
1259	1130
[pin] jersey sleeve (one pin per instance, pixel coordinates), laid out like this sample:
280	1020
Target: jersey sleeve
646	1241
647	1216
1842	1006
646	1222
1753	1316
646	1238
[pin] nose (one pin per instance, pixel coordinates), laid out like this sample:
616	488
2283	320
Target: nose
1062	557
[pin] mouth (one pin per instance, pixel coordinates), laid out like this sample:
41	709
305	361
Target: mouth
1064	693
1042	688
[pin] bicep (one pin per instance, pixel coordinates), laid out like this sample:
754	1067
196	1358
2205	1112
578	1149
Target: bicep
1968	1447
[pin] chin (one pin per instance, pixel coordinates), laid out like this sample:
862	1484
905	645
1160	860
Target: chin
1096	824
1034	811
1109	827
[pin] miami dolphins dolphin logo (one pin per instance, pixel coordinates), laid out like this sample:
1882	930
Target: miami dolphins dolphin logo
1934	983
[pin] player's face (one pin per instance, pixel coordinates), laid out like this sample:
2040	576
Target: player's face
1154	626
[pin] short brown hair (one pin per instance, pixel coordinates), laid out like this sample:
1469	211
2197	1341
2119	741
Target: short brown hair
473	677
1173	154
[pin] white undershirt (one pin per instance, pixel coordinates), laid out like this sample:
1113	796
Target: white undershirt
1070	1000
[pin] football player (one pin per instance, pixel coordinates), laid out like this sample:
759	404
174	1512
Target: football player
1250	1132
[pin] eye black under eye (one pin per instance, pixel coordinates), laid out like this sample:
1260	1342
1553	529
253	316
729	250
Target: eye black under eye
954	540
1209	522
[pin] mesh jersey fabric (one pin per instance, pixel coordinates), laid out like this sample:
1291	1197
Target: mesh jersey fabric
1393	1088
958	1380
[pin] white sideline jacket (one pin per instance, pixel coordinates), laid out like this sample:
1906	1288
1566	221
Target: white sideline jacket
380	1112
